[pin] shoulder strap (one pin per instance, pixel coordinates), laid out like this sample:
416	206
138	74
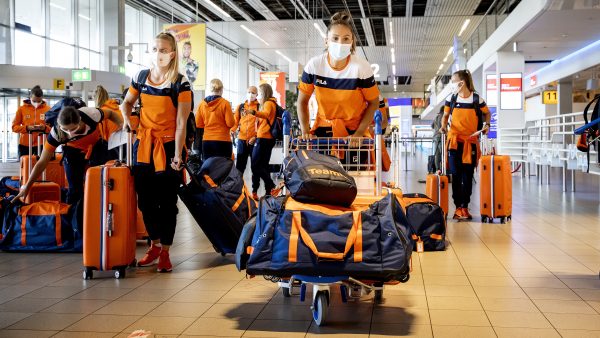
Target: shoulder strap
478	111
587	108
453	102
141	80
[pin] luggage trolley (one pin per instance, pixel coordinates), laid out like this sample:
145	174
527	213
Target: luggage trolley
360	166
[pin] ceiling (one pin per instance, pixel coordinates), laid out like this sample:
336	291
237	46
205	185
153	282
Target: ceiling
422	30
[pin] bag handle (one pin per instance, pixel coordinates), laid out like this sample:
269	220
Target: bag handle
25	209
354	240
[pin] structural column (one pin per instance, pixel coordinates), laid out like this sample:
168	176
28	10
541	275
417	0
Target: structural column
243	62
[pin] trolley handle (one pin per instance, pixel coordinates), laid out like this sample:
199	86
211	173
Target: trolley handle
332	141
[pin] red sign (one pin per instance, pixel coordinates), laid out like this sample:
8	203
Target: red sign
491	84
510	84
533	81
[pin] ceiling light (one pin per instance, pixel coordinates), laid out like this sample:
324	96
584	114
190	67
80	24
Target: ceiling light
219	9
85	17
394	69
393	56
450	50
391	34
441	66
52	4
320	30
283	56
428	88
253	34
445	59
395	88
464	26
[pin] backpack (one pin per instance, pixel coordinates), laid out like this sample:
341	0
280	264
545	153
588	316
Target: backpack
592	132
52	115
174	94
276	128
475	105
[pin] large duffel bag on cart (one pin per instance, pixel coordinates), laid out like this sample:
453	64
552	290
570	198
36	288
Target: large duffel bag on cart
368	242
312	177
41	226
218	200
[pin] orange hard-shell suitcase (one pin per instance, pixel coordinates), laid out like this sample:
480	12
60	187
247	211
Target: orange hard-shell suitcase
109	219
55	171
495	181
436	186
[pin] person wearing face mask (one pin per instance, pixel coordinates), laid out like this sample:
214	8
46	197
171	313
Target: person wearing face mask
343	83
30	117
77	130
261	154
468	111
245	126
158	152
215	117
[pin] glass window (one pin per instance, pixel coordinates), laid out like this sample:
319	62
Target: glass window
132	25
12	104
87	20
30	50
61	55
30	13
61	20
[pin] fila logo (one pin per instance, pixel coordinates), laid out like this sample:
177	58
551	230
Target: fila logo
322	82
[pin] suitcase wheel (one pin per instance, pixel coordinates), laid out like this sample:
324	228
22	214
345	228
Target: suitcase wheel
502	220
87	273
320	307
483	219
286	292
405	278
378	296
120	273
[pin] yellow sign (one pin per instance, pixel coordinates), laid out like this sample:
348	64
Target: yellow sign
549	97
191	44
58	84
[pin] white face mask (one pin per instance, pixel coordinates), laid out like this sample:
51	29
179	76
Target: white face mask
35	104
251	97
338	51
455	86
160	59
259	97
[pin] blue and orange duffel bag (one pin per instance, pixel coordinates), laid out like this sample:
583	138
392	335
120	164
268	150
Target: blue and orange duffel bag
41	226
364	241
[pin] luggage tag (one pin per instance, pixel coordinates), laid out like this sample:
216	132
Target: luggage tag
420	246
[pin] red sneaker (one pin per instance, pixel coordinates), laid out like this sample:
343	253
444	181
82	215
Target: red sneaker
466	213
255	196
164	262
151	256
459	214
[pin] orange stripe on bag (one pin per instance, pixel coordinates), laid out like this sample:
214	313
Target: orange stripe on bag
249	250
351	242
293	248
436	237
238	202
58	225
23	229
210	181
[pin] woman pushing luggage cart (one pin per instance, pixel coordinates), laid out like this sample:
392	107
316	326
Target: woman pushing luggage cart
357	248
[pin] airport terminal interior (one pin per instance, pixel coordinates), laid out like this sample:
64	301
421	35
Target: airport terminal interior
510	180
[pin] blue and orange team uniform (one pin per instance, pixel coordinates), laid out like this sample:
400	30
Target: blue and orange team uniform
463	124
27	115
108	127
156	182
261	154
246	127
215	116
79	151
341	93
463	150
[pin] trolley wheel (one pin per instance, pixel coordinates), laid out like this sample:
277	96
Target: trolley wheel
87	273
378	296
319	308
286	291
120	273
405	278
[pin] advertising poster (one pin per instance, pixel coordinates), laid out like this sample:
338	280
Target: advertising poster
511	91
491	90
191	44
493	132
277	82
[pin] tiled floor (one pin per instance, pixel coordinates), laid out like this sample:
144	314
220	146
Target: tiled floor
534	277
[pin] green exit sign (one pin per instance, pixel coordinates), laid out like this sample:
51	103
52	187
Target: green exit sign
79	75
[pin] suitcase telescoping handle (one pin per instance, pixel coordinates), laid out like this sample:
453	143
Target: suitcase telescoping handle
379	144
41	134
444	154
128	149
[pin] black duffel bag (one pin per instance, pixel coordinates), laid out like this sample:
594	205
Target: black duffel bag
312	177
427	221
